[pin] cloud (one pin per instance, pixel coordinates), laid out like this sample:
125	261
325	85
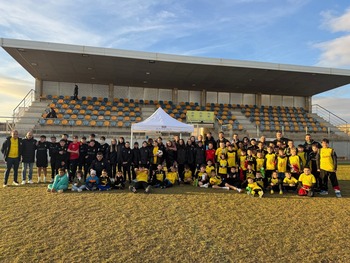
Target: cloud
335	52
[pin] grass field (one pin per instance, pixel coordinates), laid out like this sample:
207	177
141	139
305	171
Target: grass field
181	224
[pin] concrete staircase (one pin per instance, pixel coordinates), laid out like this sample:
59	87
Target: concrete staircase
249	128
333	129
31	117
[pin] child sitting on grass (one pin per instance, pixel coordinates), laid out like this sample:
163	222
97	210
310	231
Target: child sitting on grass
275	184
105	183
188	178
290	183
171	177
253	188
141	180
78	184
216	182
92	181
158	177
202	178
60	182
306	183
233	181
119	182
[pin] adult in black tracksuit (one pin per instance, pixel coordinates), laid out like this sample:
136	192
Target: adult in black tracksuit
53	152
62	156
136	159
145	155
113	157
170	154
199	155
181	158
90	156
126	157
99	164
12	161
190	152
104	147
120	146
28	156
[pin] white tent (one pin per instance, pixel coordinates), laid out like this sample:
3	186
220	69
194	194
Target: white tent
162	122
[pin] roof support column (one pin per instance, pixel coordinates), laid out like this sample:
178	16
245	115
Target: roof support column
110	91
38	88
308	104
258	99
203	101
175	96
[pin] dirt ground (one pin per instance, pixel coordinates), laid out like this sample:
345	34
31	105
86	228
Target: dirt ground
180	224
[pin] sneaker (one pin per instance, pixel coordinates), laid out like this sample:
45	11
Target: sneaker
132	189
337	193
272	192
205	185
4	185
239	190
249	193
38	179
60	191
44	179
148	189
324	192
281	192
79	190
51	180
261	193
15	183
24	182
30	182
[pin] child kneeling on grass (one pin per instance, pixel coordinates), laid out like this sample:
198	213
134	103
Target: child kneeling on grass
78	182
92	181
290	183
187	175
119	182
253	188
105	183
60	182
306	183
171	177
141	180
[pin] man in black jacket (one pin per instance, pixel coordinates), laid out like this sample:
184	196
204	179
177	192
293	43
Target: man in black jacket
29	145
126	160
12	150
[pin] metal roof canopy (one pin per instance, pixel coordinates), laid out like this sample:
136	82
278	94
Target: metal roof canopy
84	64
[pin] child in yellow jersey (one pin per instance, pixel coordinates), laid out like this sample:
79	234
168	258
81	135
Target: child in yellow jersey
171	178
295	163
253	188
231	156
306	183
221	150
158	177
282	164
326	161
210	167
270	162
202	178
275	184
216	181
289	182
141	180
223	166
259	161
188	178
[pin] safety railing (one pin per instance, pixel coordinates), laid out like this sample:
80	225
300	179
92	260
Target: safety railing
24	104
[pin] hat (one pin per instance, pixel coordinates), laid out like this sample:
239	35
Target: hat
92	172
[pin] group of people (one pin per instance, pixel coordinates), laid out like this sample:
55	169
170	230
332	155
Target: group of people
251	165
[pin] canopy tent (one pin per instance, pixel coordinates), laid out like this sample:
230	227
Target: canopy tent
160	121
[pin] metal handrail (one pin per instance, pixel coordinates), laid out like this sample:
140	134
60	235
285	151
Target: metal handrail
24	103
328	116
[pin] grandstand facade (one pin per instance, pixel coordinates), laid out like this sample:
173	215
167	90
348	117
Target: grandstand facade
118	88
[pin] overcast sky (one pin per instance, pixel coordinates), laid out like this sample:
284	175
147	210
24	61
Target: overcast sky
301	32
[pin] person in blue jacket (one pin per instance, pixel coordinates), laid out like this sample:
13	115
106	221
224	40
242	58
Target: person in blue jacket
60	182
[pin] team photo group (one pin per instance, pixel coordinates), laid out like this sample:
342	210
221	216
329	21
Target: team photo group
249	165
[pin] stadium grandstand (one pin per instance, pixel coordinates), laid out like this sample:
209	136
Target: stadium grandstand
120	87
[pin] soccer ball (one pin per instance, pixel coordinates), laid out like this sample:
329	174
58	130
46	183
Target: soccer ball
160	153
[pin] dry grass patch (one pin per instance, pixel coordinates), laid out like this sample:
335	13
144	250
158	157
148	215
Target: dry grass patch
182	224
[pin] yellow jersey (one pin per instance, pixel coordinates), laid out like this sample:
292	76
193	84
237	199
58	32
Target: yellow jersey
208	169
172	177
295	163
259	163
155	157
302	156
223	167
215	180
291	180
307	180
142	176
326	159
220	151
282	163
274	181
231	159
254	186
188	174
242	162
14	149
270	161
